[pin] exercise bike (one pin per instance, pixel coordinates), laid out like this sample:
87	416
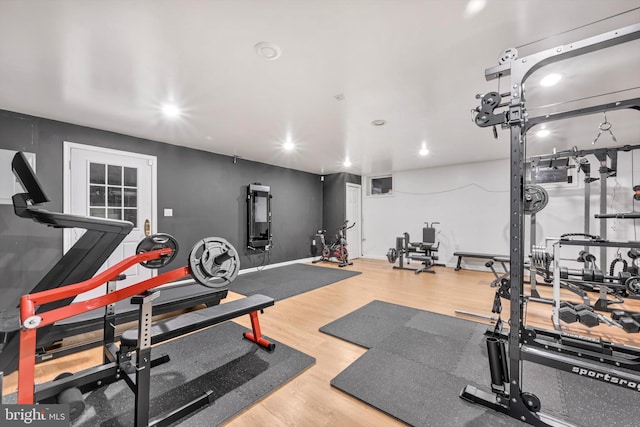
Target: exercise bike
337	249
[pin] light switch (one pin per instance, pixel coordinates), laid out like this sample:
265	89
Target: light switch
168	212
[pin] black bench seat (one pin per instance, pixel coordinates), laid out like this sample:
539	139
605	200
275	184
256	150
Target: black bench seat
461	255
164	330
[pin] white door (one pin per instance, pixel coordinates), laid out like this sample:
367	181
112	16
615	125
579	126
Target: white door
112	184
354	214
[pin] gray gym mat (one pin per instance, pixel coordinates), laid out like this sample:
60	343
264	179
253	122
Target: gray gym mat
284	282
237	371
415	369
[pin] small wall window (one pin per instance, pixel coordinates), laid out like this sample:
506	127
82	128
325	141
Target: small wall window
380	185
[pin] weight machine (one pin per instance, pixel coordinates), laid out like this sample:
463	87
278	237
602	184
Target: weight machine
416	251
579	356
213	262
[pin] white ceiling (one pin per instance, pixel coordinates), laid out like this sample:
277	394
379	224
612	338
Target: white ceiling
111	64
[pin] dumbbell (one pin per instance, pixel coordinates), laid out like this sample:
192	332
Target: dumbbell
567	313
582	313
629	324
586	315
593	275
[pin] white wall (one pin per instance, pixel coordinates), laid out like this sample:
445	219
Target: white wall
471	202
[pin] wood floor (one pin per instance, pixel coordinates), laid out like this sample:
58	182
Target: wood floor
309	400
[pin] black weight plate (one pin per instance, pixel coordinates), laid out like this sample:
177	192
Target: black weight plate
535	199
155	242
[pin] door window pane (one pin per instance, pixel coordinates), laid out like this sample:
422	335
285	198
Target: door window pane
98	212
115	175
131	215
130	197
96	195
96	173
131	177
114	213
114	198
113	192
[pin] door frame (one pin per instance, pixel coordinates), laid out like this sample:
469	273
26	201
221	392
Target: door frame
66	182
359	219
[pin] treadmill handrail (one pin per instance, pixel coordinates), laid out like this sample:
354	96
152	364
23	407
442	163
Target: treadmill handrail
63	220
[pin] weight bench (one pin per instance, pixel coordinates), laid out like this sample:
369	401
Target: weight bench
461	255
164	330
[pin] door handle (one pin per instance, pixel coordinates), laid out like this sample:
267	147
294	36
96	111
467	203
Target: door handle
147	227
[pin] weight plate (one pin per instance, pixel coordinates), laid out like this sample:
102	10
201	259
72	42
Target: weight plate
214	262
535	199
392	255
633	285
155	242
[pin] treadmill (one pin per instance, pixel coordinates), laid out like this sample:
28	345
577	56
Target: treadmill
80	263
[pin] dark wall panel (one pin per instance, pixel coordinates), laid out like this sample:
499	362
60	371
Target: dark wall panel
335	195
206	191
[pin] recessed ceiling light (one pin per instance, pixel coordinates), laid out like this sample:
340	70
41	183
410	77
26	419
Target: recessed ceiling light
347	162
268	51
288	145
474	6
543	133
171	110
550	79
423	150
378	122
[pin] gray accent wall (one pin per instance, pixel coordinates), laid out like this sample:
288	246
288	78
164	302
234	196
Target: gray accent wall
335	201
206	191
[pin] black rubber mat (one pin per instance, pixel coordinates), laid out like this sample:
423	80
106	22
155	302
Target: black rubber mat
418	362
237	372
284	282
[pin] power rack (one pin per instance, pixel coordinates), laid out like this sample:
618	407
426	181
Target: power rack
525	343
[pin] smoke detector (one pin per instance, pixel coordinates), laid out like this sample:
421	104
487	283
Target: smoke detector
268	51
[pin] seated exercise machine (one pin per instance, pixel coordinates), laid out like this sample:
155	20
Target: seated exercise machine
416	251
338	249
213	263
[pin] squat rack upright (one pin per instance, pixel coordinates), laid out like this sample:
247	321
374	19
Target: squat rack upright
508	397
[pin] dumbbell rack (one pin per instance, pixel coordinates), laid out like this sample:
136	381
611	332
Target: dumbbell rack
602	303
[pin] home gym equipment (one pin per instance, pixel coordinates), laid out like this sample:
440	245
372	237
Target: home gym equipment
596	359
416	251
461	255
42	308
336	251
535	199
214	262
81	262
259	231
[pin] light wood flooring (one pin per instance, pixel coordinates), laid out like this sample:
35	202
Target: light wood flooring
308	399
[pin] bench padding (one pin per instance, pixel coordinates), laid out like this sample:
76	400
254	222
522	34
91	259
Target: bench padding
170	328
